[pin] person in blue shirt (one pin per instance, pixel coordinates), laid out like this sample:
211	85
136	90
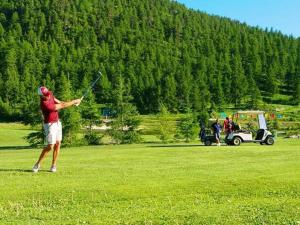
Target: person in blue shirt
216	127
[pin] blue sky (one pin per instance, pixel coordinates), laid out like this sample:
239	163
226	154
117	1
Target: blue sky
282	15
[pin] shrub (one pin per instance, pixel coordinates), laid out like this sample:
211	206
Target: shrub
35	139
187	127
164	132
124	128
93	138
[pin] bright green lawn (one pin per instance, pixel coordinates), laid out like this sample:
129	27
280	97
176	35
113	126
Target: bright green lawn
12	134
152	184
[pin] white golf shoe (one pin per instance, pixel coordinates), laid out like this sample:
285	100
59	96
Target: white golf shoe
35	168
53	169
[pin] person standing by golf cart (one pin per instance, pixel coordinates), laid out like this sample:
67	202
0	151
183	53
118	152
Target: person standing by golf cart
228	126
216	127
52	125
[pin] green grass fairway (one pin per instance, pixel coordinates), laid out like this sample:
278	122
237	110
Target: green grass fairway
153	184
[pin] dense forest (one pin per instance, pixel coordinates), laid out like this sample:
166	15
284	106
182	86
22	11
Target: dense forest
161	51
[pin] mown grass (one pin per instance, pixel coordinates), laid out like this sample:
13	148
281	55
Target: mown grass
12	134
153	184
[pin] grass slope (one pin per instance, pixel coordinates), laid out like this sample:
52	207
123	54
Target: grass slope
153	184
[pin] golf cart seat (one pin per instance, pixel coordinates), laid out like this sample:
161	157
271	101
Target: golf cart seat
260	134
236	127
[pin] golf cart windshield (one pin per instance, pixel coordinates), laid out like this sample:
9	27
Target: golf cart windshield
262	122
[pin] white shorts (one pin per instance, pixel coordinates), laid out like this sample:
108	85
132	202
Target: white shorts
53	132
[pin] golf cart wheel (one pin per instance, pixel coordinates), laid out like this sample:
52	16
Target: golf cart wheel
207	142
270	141
237	141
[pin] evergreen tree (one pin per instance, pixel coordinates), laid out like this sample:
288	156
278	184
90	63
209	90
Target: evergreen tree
239	83
162	50
254	95
226	73
217	96
187	127
296	89
90	113
165	131
104	86
169	92
124	126
12	79
71	119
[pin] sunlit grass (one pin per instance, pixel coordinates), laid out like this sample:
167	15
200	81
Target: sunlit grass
153	184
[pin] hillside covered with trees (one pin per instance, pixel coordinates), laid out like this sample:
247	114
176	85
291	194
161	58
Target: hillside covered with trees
162	52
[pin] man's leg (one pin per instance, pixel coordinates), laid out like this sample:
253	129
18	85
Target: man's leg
56	146
44	153
218	139
50	141
55	153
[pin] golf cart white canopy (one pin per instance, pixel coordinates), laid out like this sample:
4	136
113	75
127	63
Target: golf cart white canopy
250	112
260	115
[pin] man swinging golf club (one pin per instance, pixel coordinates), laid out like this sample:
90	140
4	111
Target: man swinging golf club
52	126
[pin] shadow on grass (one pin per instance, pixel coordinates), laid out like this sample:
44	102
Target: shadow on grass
22	170
15	170
175	146
15	147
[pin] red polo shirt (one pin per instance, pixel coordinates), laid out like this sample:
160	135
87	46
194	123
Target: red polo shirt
48	109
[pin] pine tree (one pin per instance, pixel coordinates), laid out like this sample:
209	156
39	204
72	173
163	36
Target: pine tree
296	96
201	95
164	131
239	83
12	80
169	92
104	87
90	114
226	73
71	119
124	126
187	127
184	81
217	96
254	95
296	88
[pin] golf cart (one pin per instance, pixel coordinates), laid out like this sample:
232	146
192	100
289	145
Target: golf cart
206	136
263	136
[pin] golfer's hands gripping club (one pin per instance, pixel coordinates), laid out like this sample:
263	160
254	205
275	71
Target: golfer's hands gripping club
77	101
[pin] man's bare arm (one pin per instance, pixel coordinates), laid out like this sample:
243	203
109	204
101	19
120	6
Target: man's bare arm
57	101
63	105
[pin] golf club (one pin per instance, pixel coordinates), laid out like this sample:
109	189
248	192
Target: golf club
90	87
